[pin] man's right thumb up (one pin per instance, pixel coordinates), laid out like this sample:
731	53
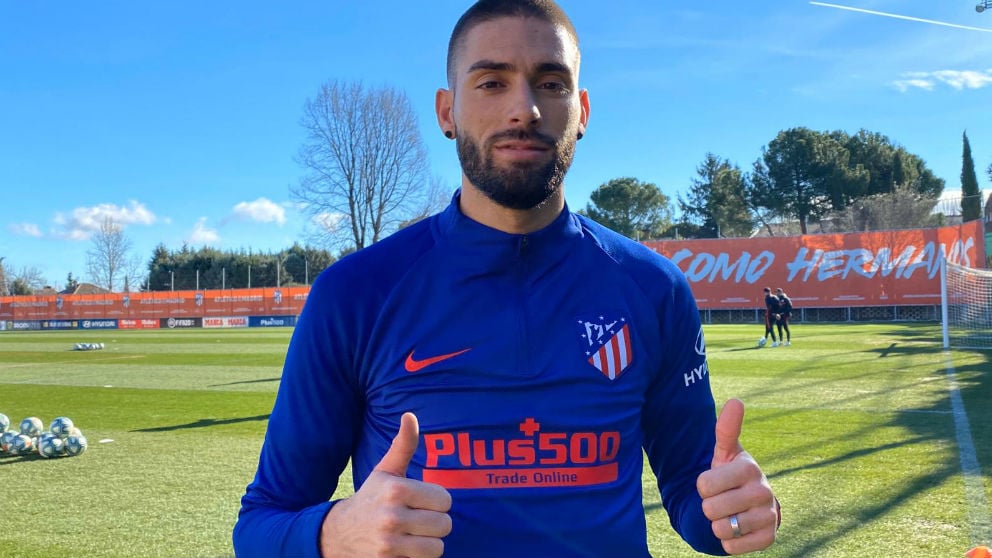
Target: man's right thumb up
403	447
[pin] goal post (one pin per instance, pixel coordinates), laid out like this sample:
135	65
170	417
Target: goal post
965	306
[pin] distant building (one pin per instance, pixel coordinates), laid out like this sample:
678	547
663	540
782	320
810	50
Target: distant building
81	289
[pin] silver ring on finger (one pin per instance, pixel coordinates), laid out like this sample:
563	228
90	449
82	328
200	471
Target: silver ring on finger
735	526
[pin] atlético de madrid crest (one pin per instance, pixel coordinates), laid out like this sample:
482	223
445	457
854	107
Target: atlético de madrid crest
605	339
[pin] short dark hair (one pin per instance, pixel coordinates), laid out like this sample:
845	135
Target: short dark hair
768	289
488	10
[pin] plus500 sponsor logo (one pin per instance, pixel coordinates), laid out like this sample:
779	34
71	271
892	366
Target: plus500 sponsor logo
457	460
536	448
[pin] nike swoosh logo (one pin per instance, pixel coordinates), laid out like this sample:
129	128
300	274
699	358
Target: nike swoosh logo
413	365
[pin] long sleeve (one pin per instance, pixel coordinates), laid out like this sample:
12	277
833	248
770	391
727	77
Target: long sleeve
309	439
679	419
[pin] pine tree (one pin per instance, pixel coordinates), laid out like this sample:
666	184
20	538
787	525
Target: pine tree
971	196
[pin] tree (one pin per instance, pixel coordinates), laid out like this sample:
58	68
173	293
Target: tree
903	208
70	283
365	163
716	200
26	281
803	174
884	165
635	209
4	287
971	194
209	268
436	198
109	262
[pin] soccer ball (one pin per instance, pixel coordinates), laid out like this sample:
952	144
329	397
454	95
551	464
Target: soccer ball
6	439
75	445
20	445
762	341
4	423
50	445
32	427
61	426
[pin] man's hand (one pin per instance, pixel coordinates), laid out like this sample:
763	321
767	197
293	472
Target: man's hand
735	492
390	515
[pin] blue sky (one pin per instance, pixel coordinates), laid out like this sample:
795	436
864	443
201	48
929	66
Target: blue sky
180	119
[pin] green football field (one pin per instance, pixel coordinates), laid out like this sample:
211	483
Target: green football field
876	441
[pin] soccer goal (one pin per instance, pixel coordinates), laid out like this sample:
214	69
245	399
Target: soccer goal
966	306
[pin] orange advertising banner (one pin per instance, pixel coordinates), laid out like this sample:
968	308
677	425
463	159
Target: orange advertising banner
146	308
883	268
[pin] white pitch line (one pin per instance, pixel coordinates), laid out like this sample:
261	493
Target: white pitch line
974	488
27	364
907	18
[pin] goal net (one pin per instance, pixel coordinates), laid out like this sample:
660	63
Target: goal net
966	306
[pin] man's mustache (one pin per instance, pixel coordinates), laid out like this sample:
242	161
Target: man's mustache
524	135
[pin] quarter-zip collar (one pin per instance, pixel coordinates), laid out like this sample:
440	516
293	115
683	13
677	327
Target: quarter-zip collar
485	249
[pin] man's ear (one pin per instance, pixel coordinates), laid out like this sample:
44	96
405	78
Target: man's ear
584	116
444	109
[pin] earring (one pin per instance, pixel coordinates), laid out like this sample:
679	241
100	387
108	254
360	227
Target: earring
449	134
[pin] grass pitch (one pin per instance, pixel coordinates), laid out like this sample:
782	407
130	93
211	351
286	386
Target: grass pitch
860	428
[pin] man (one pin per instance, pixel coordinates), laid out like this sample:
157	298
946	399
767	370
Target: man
784	313
771	311
493	372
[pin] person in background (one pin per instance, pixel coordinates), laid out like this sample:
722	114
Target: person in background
771	308
495	373
783	314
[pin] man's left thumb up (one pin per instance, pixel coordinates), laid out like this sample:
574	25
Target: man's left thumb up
728	433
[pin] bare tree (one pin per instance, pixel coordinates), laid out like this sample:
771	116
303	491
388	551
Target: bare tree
365	164
109	262
436	198
903	208
26	281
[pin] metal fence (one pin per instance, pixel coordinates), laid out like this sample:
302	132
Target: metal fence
867	314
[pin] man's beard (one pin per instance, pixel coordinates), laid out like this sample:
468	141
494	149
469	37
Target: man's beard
522	185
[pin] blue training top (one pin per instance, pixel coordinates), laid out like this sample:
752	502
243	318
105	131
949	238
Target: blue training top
538	366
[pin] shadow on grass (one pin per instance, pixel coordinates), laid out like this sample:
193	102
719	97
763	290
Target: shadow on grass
933	423
8	459
202	423
895	349
263	380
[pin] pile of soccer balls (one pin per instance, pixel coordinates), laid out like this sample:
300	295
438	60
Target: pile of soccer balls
87	346
62	439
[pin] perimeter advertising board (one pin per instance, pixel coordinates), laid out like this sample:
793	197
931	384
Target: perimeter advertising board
883	268
156	305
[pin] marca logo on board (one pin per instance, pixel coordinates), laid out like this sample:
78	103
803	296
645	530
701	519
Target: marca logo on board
226	322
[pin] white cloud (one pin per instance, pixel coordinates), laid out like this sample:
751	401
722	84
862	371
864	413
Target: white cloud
904	85
203	235
965	79
956	79
328	222
262	210
82	222
25	229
